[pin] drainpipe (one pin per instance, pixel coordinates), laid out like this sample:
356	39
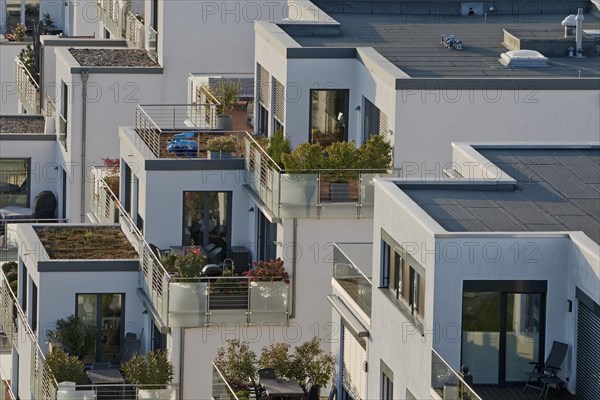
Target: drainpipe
181	360
294	241
84	79
579	33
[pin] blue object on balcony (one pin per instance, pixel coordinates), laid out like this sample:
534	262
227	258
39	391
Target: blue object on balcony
184	135
183	148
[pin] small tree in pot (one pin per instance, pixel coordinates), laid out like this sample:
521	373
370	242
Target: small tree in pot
311	365
77	336
226	92
221	147
64	367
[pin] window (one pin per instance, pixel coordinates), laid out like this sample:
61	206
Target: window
106	312
403	277
387	382
14	182
24	277
328	116
207	219
34	306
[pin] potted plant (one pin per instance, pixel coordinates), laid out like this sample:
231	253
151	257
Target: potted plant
152	372
226	92
341	159
277	357
10	270
19	33
77	336
311	365
191	263
187	296
375	154
268	271
277	146
64	367
221	147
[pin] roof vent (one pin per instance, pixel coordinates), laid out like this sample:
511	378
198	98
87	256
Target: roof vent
523	59
569	24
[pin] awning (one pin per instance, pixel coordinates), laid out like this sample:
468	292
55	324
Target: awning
350	320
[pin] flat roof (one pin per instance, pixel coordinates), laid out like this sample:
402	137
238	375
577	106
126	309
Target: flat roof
21	124
412	43
556	190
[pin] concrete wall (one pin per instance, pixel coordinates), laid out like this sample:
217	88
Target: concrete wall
393	338
9	103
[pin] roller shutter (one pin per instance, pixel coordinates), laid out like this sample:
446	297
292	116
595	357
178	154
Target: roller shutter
588	354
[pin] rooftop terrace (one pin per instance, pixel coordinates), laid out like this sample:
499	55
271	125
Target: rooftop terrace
557	190
22	124
412	43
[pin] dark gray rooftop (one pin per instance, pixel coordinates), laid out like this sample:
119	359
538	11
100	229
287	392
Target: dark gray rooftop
21	124
557	190
412	43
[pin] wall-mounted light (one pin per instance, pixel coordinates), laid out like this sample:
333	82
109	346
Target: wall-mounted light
357	108
251	209
569	305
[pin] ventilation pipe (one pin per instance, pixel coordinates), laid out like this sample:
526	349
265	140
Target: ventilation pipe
569	24
84	78
579	33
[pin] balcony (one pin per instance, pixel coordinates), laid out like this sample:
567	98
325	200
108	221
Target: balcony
113	16
194	302
348	259
306	195
59	125
156	126
135	32
447	383
28	89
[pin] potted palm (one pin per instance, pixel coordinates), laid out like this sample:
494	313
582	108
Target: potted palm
221	147
226	92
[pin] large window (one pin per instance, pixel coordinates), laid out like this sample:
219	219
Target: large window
328	116
207	219
106	312
14	182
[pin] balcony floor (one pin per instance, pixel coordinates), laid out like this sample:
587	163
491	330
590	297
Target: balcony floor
515	392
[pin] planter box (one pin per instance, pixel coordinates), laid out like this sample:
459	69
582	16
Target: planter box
218	155
157	394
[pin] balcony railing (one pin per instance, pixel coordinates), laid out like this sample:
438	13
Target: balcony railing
103	206
113	17
351	278
41	380
220	388
5	390
448	383
60	123
8	233
135	31
28	90
152	43
308	195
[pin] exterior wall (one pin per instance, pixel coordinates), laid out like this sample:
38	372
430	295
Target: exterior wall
392	338
43	175
428	121
9	102
84	19
225	28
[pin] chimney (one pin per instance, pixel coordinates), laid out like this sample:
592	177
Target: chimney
579	33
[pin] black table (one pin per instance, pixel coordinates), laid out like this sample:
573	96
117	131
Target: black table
282	388
105	376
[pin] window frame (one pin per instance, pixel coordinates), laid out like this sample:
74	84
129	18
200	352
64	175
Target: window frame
27	178
344	137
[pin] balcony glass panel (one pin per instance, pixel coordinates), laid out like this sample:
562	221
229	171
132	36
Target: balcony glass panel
354	281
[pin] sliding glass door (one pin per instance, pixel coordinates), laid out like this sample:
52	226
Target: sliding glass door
207	219
105	311
502	331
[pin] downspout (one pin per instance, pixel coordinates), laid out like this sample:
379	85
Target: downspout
294	242
181	361
84	79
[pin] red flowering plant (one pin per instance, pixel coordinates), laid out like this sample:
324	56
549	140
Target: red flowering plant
190	264
268	271
112	166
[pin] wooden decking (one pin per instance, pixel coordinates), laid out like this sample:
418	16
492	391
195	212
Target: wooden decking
514	392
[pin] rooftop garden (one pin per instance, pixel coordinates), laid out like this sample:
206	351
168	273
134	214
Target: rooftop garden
86	243
113	57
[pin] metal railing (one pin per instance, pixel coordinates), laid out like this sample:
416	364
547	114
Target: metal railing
103	204
314	194
60	123
113	17
352	279
5	388
220	388
237	299
41	380
134	31
28	89
118	392
447	382
152	43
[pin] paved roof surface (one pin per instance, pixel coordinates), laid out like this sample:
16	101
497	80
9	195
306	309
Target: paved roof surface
412	43
557	190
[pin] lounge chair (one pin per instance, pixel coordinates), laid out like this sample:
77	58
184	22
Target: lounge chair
550	367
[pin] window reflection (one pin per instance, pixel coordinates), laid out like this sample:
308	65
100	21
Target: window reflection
207	219
14	182
329	116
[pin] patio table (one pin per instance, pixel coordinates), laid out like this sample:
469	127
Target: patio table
16	212
105	376
282	388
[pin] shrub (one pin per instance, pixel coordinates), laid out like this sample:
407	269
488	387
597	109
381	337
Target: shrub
10	269
276	356
375	154
237	363
76	335
226	92
27	58
190	264
65	367
342	157
268	271
20	32
278	146
311	365
225	144
305	158
153	368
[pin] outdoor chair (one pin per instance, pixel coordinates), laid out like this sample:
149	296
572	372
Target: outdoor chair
214	255
159	253
209	247
550	367
267	373
313	392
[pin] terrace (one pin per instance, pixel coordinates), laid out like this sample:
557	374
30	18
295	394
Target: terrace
349	261
194	301
28	88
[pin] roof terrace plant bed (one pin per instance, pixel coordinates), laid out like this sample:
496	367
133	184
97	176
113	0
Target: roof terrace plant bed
21	124
113	57
201	139
86	243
